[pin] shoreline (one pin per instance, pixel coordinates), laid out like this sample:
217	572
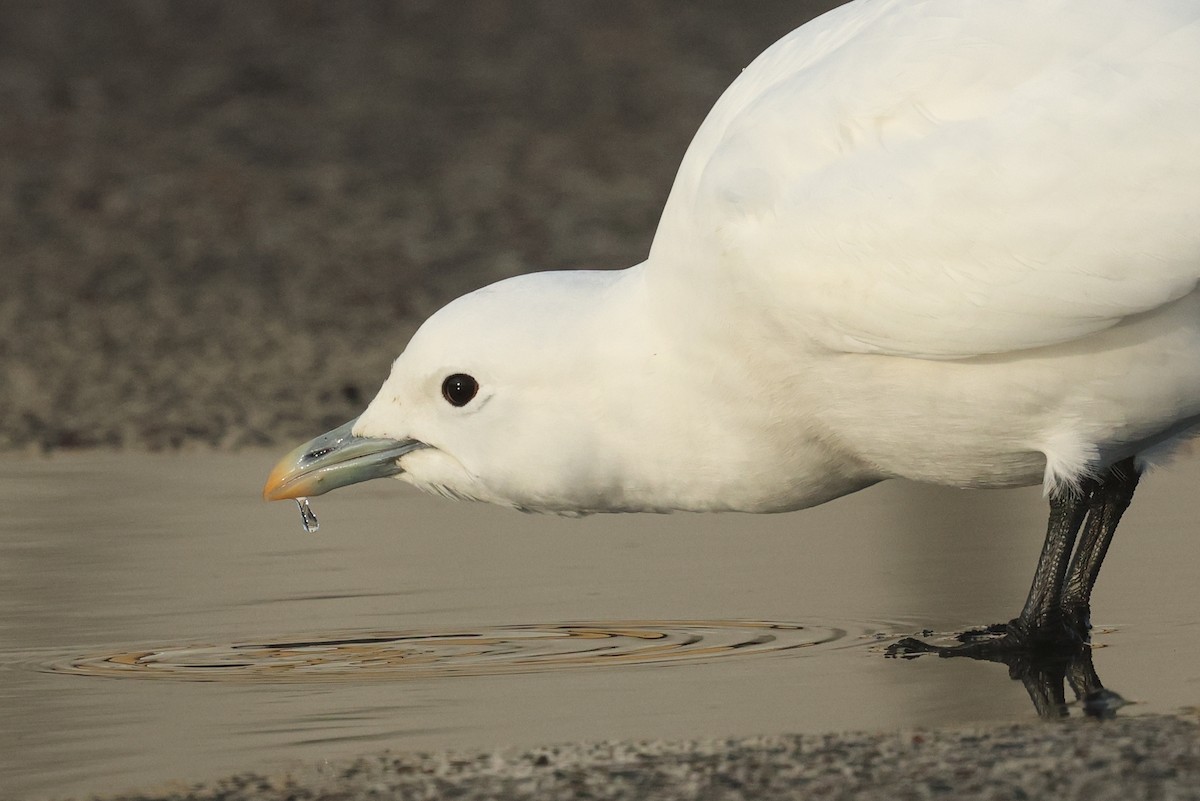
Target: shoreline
1138	757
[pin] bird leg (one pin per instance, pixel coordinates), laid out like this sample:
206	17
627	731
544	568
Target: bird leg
1041	622
1056	612
1108	502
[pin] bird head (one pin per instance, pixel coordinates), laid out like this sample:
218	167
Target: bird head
499	397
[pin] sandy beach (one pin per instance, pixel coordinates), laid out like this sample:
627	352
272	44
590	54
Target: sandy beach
1142	758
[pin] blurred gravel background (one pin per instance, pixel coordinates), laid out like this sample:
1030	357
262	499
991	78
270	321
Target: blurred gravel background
221	221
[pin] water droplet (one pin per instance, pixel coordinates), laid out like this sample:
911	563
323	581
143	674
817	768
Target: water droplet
308	517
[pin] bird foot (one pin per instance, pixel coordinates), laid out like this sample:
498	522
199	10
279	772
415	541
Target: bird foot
999	641
1043	661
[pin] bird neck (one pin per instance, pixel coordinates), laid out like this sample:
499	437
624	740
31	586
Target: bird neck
692	419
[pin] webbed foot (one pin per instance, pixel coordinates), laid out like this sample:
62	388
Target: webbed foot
1042	660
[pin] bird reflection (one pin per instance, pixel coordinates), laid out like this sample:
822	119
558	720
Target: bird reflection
1045	674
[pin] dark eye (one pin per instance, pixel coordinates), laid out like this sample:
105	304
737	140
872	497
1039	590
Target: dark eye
459	388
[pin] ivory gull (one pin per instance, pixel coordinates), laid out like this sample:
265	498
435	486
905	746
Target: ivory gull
956	241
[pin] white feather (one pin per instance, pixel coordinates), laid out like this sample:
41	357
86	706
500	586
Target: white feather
951	240
952	178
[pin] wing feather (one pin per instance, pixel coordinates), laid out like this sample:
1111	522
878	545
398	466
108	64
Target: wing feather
951	178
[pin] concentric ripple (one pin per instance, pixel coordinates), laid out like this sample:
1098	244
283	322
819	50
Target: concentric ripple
468	652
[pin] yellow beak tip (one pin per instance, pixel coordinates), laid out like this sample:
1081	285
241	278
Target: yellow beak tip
274	489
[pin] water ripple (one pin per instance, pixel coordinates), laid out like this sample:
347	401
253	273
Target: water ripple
484	651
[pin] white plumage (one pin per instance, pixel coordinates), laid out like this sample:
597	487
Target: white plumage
950	179
952	240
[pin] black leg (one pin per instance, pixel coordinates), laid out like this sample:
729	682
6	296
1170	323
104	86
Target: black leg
1047	644
1041	619
1056	612
1108	502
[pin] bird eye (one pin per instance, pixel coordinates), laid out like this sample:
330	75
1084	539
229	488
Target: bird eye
459	388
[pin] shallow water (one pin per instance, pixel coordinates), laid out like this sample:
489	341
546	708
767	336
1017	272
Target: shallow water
159	622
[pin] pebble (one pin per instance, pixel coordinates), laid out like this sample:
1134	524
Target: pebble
1126	759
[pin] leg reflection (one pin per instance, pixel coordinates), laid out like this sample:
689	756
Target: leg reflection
1045	675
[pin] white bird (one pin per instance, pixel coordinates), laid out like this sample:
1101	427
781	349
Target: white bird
956	241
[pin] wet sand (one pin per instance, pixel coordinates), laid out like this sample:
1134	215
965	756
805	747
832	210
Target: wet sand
221	221
1141	758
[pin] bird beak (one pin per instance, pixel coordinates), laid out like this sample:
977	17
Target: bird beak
334	460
